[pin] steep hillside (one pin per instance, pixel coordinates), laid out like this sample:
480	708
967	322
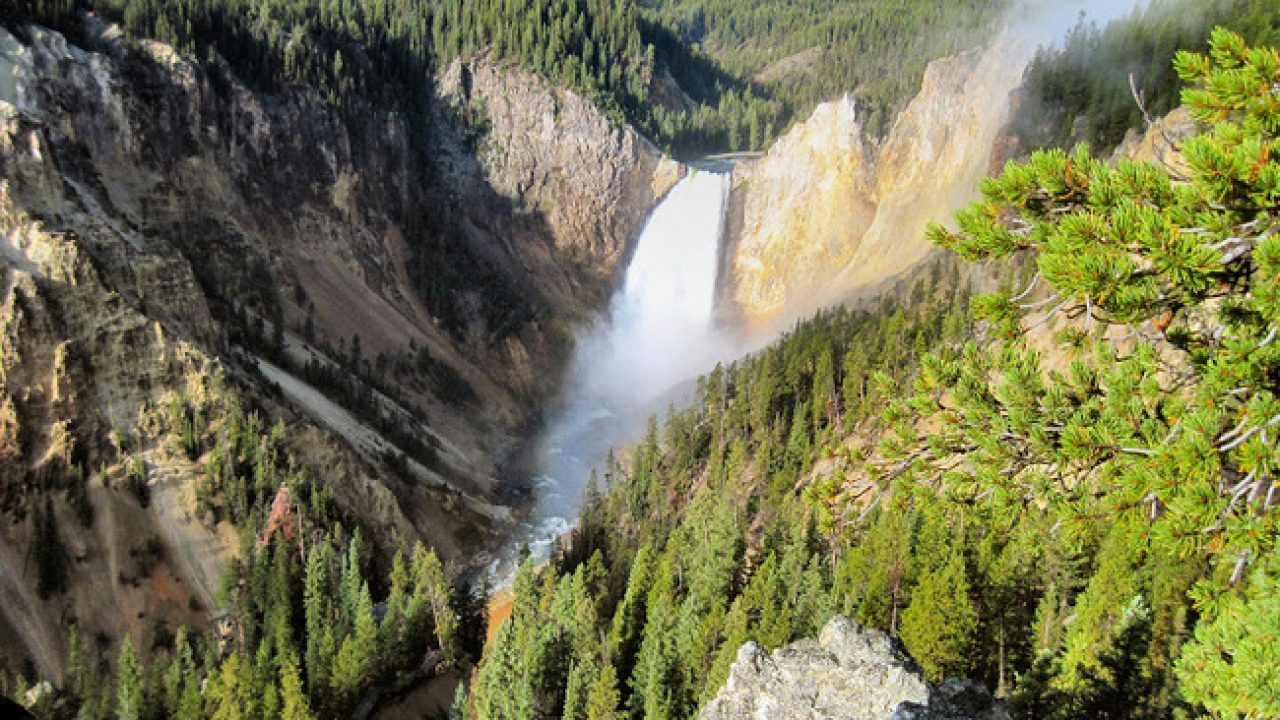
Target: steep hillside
1082	89
177	244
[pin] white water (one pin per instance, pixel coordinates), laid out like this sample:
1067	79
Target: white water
659	330
659	334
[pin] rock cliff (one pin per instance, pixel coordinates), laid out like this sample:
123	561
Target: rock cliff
823	214
548	152
797	212
848	673
398	291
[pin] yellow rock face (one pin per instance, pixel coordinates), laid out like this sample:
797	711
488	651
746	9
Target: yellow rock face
802	203
1159	143
825	216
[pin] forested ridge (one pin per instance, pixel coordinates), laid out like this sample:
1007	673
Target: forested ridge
742	71
1080	91
618	53
383	52
1069	494
800	54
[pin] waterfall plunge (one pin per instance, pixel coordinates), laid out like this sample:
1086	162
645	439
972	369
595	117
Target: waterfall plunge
659	334
659	330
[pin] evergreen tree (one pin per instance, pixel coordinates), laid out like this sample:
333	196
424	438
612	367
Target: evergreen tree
293	699
938	625
602	698
129	683
1232	667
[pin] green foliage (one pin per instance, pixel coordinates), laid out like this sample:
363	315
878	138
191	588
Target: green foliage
129	690
1058	520
1120	245
1081	91
288	666
303	639
1168	438
938	625
616	52
1232	667
800	54
1055	522
709	537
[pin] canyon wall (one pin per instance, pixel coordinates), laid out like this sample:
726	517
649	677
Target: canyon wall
824	214
398	291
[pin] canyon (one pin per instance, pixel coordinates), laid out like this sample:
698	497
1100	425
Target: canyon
416	300
172	237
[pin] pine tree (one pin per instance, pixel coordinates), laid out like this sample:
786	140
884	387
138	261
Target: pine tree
228	696
77	664
1122	685
459	709
294	703
1232	667
129	687
356	662
603	699
318	615
938	625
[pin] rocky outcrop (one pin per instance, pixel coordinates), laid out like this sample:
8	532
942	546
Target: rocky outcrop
823	214
955	699
1158	143
848	673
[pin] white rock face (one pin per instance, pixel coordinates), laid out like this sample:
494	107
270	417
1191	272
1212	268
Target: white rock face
803	207
14	60
848	673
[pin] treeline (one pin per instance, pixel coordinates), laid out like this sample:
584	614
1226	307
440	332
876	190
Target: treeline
800	54
1080	92
1092	531
384	52
310	615
280	653
705	537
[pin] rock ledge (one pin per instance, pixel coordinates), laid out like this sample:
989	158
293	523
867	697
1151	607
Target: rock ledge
848	673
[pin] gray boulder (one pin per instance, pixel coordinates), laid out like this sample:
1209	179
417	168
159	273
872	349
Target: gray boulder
848	673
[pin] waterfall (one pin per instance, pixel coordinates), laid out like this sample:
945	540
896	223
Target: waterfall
659	331
659	334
